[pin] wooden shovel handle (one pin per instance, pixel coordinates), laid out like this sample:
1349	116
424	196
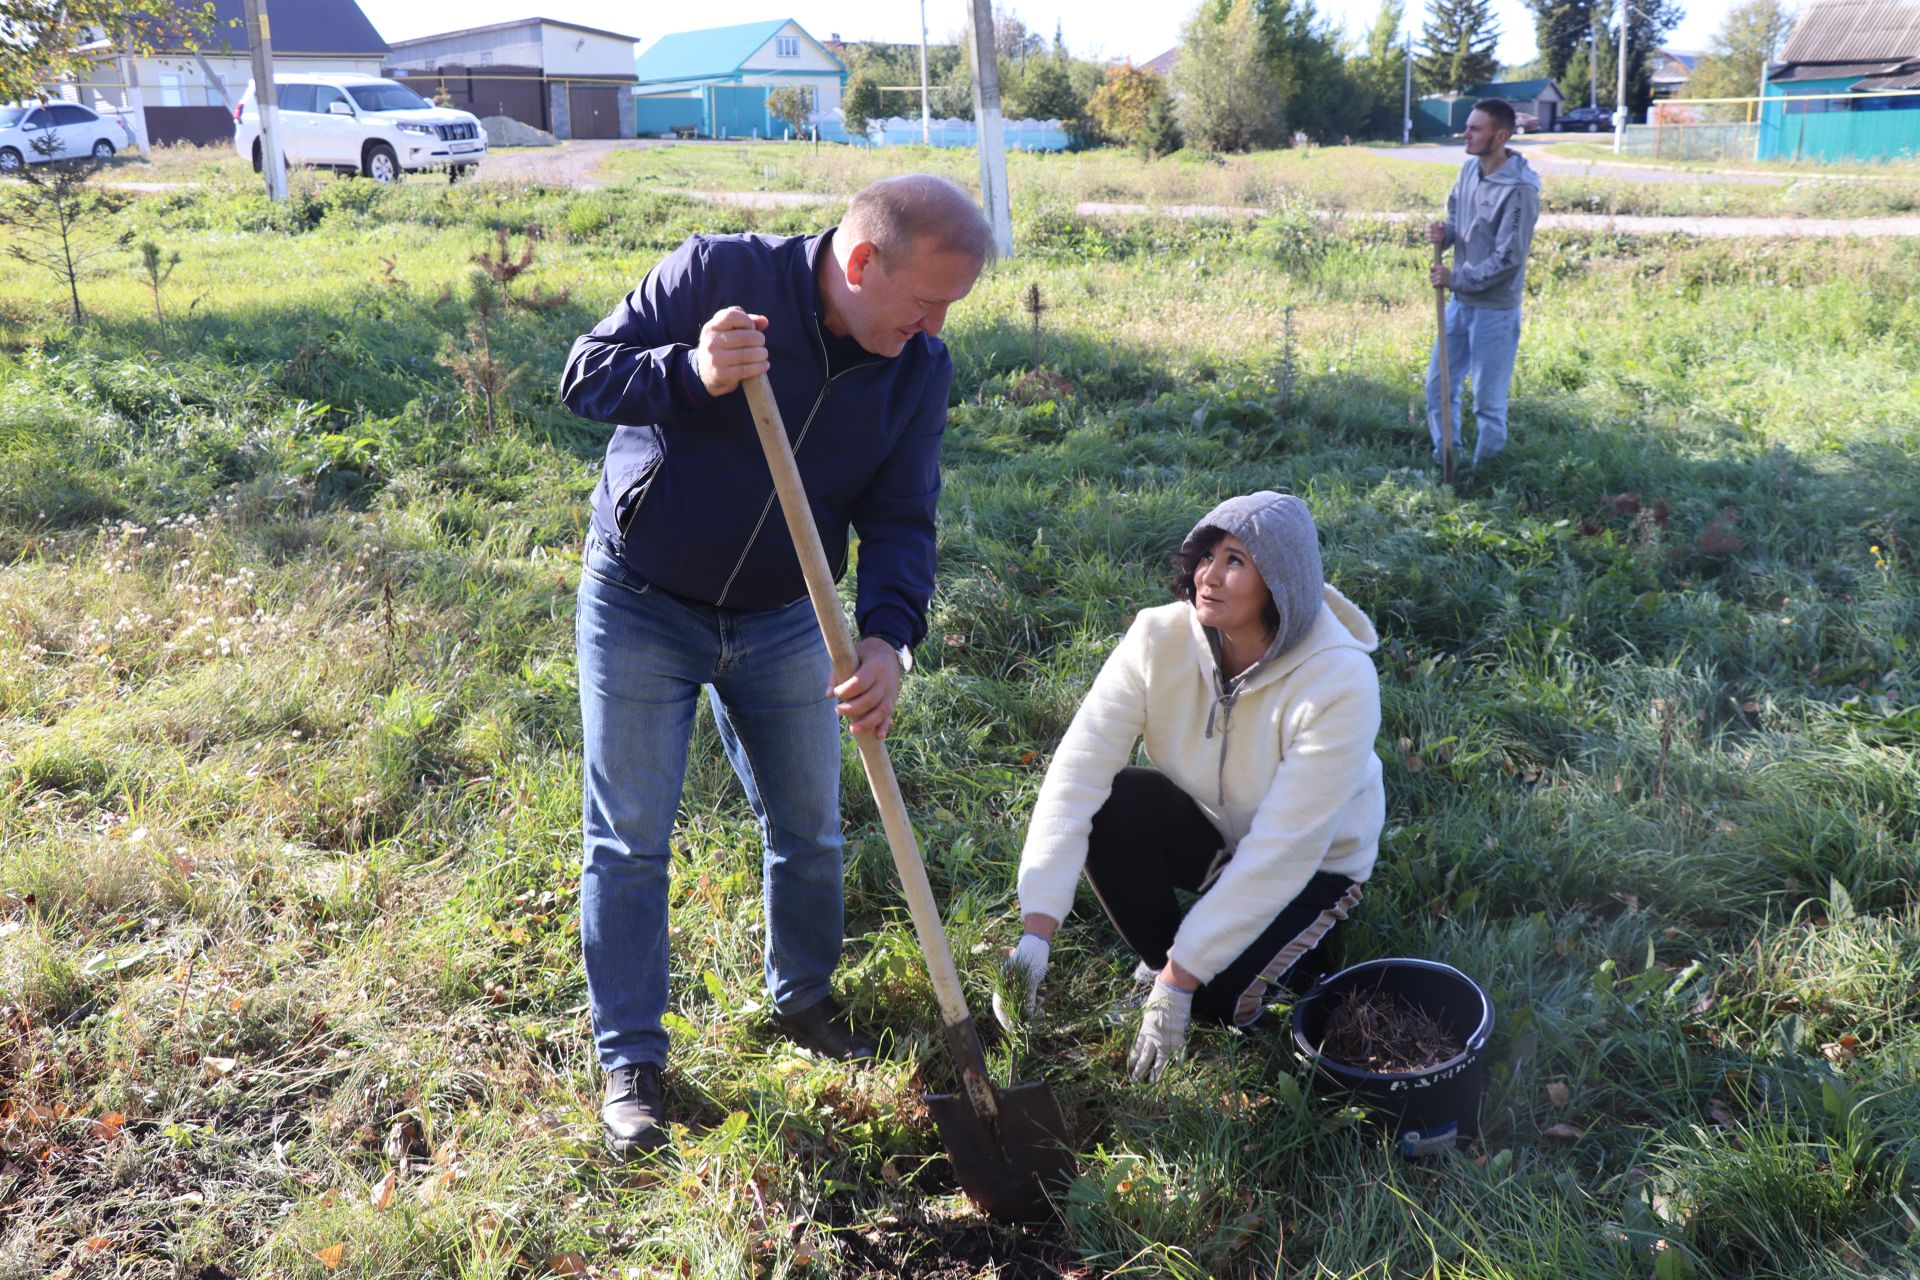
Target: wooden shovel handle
873	752
1446	382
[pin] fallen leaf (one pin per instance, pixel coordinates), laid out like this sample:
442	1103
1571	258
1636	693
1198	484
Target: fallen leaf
382	1196
1565	1132
567	1264
108	1126
235	1003
218	1068
890	1172
99	1244
1842	1051
1717	1112
331	1255
1558	1093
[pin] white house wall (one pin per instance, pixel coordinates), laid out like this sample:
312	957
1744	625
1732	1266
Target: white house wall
515	47
810	57
570	52
827	86
174	81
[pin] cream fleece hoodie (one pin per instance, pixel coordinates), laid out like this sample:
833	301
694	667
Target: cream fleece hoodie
1285	771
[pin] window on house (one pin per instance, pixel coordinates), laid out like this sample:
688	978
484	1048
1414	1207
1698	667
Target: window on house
813	99
787	46
172	90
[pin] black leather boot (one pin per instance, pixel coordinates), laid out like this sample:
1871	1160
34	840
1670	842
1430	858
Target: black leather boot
824	1028
630	1111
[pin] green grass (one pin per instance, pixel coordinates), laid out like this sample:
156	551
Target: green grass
289	762
1358	179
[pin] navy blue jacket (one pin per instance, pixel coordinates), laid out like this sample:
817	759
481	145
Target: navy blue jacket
685	499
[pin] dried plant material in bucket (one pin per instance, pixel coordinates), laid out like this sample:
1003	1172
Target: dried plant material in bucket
1407	1039
1381	1031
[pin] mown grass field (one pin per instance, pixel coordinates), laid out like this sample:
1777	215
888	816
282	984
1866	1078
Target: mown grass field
289	982
1352	179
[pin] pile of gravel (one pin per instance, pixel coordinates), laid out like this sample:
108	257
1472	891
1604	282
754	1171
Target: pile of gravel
505	131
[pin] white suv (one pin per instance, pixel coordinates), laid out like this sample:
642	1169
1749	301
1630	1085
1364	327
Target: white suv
362	124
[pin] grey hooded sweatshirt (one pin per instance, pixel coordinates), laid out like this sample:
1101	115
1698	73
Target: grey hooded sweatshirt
1490	227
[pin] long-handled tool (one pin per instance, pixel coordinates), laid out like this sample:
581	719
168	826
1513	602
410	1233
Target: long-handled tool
1446	382
1008	1146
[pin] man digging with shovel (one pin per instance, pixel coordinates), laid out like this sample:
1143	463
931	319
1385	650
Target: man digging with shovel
689	578
1490	215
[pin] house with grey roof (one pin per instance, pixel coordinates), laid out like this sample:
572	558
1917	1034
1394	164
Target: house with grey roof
1847	86
189	96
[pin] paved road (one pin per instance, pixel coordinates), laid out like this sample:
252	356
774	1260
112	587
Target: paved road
1715	227
1539	154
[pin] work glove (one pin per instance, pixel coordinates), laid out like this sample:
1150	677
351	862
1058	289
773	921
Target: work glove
1163	1031
1026	965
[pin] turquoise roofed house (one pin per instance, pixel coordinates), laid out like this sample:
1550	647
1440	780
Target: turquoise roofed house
1847	86
713	83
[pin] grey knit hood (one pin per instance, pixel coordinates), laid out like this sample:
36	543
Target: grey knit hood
1278	532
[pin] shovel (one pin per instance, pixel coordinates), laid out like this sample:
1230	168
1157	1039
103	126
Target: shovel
1008	1146
1446	383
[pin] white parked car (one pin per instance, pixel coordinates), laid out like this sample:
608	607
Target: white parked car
80	132
361	124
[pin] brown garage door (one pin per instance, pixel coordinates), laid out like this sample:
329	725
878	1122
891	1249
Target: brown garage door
594	111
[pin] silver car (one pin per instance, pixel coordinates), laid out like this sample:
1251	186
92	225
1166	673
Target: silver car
78	131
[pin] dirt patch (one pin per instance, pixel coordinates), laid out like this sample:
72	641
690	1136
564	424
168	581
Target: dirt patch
923	1246
1381	1031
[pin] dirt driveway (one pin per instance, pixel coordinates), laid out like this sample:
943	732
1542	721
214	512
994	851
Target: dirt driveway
573	164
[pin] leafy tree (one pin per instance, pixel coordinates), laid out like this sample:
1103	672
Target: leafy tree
792	106
860	105
55	216
1304	58
40	40
1124	103
1042	90
1377	75
1561	30
1460	37
1228	99
1751	36
1160	133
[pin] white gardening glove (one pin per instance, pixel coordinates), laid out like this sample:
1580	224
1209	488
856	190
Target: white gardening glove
1026	965
1163	1031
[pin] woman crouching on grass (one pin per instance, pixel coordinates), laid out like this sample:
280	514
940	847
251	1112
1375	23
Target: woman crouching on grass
1258	706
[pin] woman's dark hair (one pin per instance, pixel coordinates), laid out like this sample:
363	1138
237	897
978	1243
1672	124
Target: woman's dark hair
1186	561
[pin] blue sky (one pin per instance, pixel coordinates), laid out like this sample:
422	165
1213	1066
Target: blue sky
1092	27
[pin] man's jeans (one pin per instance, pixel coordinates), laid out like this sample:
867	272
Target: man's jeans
1481	344
643	656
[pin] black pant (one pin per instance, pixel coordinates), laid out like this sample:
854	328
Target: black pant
1150	839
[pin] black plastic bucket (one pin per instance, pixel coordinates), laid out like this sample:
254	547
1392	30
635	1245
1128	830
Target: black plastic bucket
1428	1110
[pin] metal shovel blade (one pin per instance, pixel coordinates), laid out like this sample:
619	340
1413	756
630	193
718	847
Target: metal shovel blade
1007	1173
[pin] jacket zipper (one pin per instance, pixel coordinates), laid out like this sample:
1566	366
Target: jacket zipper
799	440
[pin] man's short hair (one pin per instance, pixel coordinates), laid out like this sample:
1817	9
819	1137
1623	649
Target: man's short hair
897	214
1499	111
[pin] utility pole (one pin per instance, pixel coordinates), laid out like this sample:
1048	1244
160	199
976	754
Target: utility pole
136	107
1593	58
986	118
266	100
1406	110
1620	93
926	111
